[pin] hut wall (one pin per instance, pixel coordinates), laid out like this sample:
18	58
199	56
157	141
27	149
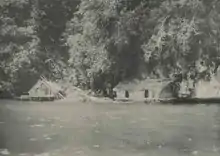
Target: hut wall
137	89
207	89
40	89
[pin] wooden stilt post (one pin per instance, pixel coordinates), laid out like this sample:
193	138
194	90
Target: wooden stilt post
126	94
146	93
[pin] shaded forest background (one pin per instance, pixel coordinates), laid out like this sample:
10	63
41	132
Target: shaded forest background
95	44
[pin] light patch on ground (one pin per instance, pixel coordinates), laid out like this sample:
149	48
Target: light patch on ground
96	146
138	130
24	154
40	125
4	152
43	154
33	139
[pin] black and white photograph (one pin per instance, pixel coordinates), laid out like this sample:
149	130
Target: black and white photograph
109	77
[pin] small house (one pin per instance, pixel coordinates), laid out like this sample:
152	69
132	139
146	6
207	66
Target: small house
140	90
208	89
44	88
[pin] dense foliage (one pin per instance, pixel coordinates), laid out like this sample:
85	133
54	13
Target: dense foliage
19	42
95	44
30	32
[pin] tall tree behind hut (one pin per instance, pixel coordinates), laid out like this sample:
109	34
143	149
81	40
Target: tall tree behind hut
19	43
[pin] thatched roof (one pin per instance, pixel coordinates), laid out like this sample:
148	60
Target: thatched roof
46	88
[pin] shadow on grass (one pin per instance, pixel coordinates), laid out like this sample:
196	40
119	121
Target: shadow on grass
189	101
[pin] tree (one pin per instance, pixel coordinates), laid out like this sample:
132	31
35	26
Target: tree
102	42
105	37
31	45
184	37
19	42
54	15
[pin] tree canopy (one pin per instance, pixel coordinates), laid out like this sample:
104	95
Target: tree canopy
98	43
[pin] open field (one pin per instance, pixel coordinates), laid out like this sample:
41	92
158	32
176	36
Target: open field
73	129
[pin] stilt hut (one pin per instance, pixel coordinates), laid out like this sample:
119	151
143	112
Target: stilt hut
140	90
45	90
